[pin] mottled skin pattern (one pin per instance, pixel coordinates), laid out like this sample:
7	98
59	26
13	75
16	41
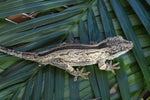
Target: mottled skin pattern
67	55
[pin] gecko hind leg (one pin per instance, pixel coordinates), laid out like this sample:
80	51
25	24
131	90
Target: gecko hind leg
76	72
81	74
60	63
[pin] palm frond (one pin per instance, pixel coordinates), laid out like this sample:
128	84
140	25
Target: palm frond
81	21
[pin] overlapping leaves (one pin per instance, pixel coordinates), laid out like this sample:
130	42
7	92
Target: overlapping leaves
83	21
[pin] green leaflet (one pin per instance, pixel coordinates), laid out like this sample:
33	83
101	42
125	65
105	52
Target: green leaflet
85	21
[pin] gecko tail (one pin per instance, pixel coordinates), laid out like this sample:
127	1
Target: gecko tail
24	55
11	52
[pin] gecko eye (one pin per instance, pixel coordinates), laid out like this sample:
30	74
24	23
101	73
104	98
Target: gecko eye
122	48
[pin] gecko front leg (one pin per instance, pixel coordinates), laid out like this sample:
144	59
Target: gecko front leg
103	65
63	65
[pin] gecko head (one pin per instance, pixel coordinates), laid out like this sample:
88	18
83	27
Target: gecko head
118	46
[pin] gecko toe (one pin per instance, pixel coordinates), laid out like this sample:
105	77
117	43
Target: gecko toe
83	75
113	71
75	78
118	67
116	64
80	73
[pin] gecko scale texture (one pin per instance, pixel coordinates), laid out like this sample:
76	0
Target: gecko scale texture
67	55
